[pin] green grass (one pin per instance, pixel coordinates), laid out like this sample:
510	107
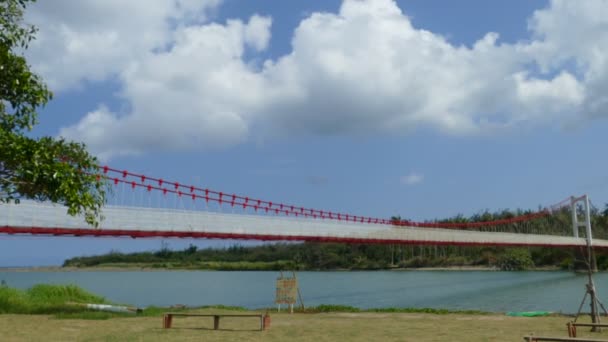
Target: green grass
90	315
429	311
46	299
352	309
224	307
332	326
324	323
59	300
159	311
330	308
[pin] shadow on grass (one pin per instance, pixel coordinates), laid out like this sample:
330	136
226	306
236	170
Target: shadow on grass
210	329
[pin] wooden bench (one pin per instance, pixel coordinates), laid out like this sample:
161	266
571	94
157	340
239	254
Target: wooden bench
561	339
168	318
572	327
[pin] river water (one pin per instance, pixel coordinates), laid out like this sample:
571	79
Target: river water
475	290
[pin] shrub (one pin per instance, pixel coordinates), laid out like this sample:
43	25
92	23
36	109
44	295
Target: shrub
333	308
517	259
45	299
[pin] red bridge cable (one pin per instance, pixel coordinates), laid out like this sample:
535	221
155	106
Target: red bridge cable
221	197
126	177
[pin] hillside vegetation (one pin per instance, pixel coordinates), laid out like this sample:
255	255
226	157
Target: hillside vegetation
330	256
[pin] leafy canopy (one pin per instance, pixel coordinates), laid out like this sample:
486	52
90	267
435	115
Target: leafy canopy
40	168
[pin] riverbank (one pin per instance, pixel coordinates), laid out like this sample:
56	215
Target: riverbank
58	313
333	257
129	268
290	327
557	291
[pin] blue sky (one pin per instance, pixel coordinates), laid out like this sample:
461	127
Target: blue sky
377	108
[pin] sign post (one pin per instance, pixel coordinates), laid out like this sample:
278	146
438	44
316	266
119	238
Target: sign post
286	291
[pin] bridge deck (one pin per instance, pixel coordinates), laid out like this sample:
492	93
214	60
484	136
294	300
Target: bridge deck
30	217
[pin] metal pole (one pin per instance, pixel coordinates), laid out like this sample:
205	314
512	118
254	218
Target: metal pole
589	259
595	317
588	221
574	218
298	288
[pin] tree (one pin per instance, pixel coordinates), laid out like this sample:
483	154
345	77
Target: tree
396	220
190	250
516	259
40	168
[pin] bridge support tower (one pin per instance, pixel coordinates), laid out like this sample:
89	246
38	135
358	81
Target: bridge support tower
588	257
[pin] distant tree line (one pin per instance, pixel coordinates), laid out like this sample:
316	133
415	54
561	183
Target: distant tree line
331	256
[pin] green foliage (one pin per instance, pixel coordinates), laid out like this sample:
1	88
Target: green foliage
331	256
348	308
59	294
45	299
517	259
428	310
332	308
224	307
315	256
568	264
12	300
602	261
42	168
550	256
152	311
89	315
191	249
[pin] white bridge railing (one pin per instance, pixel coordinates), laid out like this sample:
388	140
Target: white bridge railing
24	217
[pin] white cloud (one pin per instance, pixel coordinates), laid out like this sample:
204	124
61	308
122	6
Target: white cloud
363	70
257	33
575	32
96	126
412	179
368	69
194	95
95	40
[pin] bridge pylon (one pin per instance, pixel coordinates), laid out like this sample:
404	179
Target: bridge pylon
588	257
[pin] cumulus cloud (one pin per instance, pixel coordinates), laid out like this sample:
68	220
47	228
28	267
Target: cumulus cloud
412	179
367	68
94	40
363	70
195	94
575	33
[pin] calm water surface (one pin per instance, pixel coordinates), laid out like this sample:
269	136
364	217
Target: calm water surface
487	291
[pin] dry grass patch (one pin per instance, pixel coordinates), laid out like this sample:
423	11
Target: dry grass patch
298	327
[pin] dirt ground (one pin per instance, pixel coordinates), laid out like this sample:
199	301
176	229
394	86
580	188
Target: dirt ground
285	327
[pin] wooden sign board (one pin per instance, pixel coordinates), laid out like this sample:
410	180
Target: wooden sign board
287	290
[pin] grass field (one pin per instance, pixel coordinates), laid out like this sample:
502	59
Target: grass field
316	327
48	313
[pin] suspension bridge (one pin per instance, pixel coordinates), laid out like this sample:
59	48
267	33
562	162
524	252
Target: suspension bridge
171	209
